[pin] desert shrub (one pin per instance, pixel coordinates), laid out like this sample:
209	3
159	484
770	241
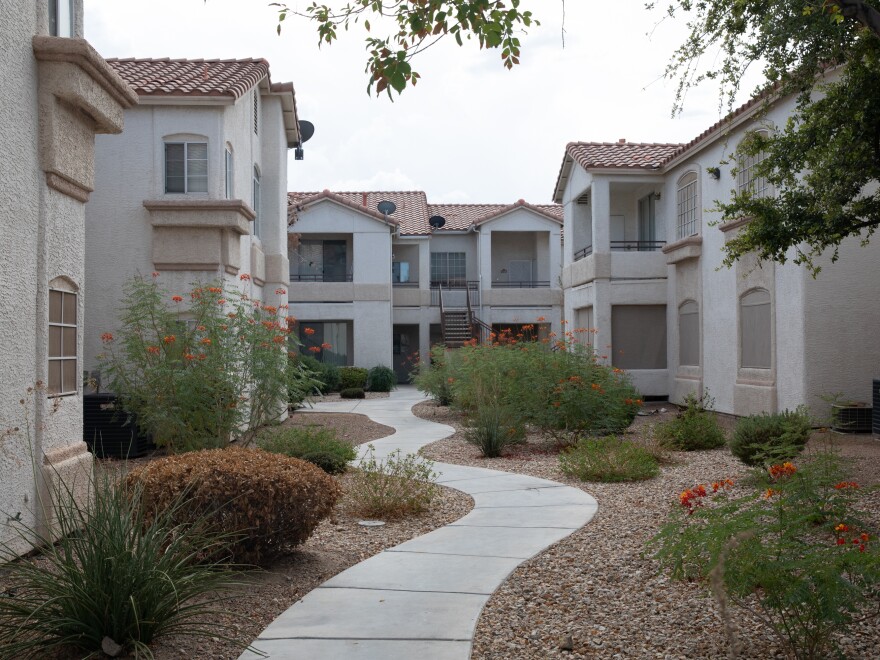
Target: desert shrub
352	393
694	428
392	487
272	502
310	443
434	376
381	379
793	545
114	579
608	459
197	383
327	375
351	377
492	429
761	439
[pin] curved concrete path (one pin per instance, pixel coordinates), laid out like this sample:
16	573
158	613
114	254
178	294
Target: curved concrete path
422	598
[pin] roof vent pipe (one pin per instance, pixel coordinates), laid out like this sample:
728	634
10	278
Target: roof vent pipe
365	199
621	141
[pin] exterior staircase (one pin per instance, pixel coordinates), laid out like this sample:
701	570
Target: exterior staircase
456	327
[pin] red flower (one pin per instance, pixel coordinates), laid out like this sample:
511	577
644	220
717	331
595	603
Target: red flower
107	336
177	299
200	328
270	309
846	484
215	289
169	339
315	349
202	356
278	339
279	291
309	331
840	542
206	341
153	349
189	356
155	274
244	276
221	301
326	346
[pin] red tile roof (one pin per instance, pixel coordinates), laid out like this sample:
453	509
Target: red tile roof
413	210
620	154
167	77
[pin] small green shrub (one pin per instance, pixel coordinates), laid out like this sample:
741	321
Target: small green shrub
352	393
271	502
434	376
492	429
381	379
794	546
762	439
314	444
113	573
396	486
351	377
327	374
608	459
694	428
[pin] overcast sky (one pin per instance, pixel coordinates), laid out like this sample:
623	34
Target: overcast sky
470	131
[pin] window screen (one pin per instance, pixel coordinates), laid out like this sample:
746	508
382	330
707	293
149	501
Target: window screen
689	334
686	224
583	321
638	336
257	219
448	268
229	171
186	167
754	318
746	178
62	343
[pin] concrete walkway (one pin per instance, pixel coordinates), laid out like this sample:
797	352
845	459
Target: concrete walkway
421	599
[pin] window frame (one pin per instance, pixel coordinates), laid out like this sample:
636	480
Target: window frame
743	302
56	18
62	357
447	278
687	216
186	174
256	201
688	305
746	182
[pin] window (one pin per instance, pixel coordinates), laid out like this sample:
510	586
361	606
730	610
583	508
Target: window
638	336
320	261
186	167
754	328
746	178
256	113
686	224
689	334
325	341
229	192
448	268
257	202
400	272
61	15
62	343
583	320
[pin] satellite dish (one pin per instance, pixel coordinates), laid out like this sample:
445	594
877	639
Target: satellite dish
386	208
437	221
306	131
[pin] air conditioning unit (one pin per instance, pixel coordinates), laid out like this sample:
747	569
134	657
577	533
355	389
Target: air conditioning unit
875	424
851	417
111	432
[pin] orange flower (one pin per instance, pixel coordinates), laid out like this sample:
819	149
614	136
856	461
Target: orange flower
841	528
200	328
279	291
770	492
270	309
221	301
153	350
279	339
215	289
540	319
155	274
177	299
244	276
107	336
785	470
169	339
189	356
202	356
846	484
309	331
326	346
269	324
315	349
206	341
223	326
232	315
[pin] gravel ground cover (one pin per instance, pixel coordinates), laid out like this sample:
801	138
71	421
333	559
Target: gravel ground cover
594	594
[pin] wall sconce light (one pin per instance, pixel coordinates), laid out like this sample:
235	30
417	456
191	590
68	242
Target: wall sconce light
504	271
714	172
657	196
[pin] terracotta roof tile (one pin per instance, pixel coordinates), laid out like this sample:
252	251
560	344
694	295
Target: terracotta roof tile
620	154
413	210
167	77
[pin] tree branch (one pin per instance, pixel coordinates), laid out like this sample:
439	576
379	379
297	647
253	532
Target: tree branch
863	13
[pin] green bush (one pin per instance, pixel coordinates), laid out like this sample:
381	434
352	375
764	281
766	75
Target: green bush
352	393
794	546
763	439
327	375
113	574
381	379
351	377
694	428
310	443
608	459
396	486
492	429
434	376
271	502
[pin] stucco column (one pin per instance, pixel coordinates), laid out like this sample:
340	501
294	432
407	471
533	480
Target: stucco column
425	265
602	318
568	224
554	254
600	198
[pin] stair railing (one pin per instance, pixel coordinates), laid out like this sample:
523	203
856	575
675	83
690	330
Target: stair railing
479	330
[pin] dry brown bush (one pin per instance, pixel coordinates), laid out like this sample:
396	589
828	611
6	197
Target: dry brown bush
270	502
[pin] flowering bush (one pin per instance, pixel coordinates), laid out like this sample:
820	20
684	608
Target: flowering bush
200	372
694	428
795	545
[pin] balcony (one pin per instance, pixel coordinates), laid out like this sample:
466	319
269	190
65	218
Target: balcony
457	294
321	277
636	246
522	284
583	253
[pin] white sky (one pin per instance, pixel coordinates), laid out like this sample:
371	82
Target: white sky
470	131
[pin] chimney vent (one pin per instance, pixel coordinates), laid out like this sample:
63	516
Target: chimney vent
621	141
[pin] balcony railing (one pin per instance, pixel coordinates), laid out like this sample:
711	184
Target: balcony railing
583	253
530	284
320	277
456	293
405	285
637	246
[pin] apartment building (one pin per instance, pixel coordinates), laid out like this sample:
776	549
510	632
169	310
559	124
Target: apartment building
195	188
378	283
57	94
643	266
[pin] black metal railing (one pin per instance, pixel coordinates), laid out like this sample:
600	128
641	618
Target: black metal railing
320	277
454	292
583	253
405	285
525	284
637	246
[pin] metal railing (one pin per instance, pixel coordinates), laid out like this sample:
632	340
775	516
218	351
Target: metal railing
457	293
320	277
405	285
583	253
637	246
526	284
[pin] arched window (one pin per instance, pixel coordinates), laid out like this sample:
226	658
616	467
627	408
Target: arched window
63	341
257	201
755	330
746	178
687	223
229	172
689	334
